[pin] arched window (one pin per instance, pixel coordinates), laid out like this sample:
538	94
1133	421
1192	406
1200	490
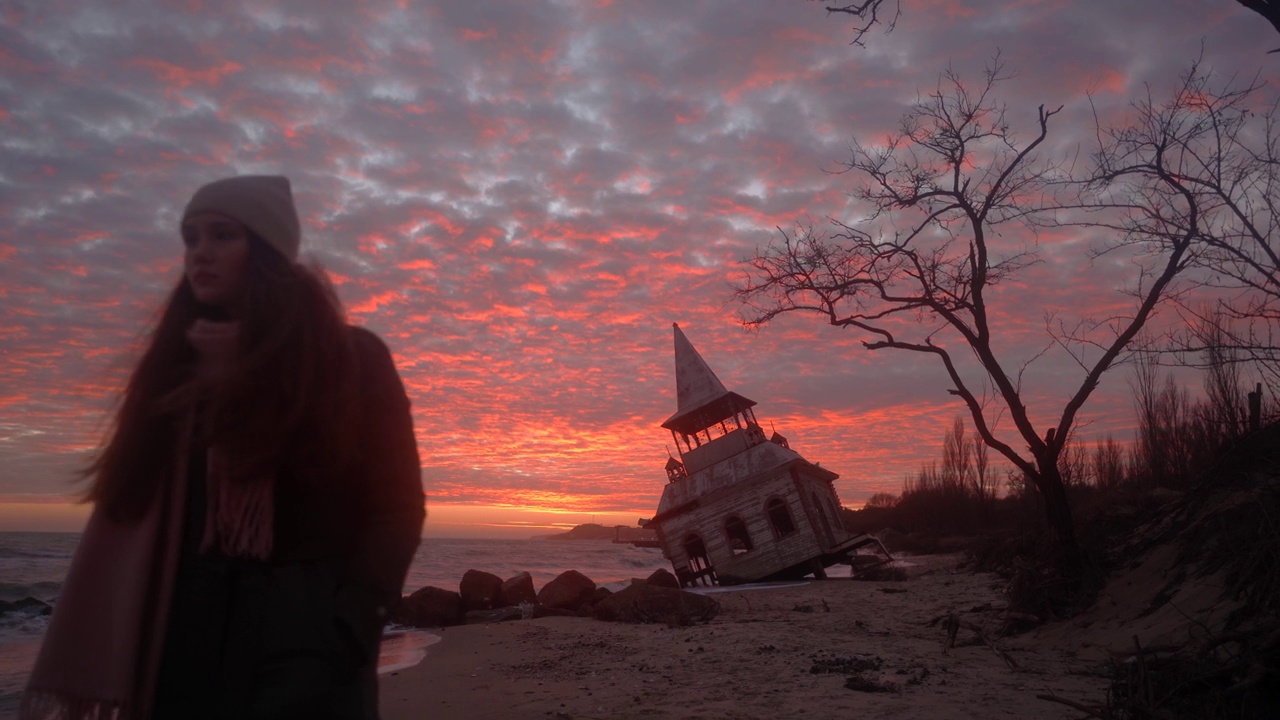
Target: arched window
739	538
699	570
696	551
779	517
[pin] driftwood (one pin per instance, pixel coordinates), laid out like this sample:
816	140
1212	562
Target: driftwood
953	625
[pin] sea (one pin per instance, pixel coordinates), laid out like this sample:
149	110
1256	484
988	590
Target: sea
34	565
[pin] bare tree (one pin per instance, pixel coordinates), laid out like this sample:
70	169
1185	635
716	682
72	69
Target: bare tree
1226	411
1168	436
926	502
984	483
1073	464
915	275
881	500
1156	416
1108	464
957	462
1206	161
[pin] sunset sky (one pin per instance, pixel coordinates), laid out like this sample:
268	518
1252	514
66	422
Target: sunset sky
521	197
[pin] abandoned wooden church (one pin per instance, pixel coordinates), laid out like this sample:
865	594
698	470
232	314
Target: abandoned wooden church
739	507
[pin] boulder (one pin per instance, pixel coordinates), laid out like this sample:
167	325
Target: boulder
570	590
588	607
479	590
429	607
663	577
646	603
517	590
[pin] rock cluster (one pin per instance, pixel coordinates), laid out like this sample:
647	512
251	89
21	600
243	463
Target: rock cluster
484	597
28	606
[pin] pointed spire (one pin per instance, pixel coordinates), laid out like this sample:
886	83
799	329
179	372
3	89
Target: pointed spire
701	399
696	384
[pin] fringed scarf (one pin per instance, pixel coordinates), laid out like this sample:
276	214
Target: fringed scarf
101	653
102	649
241	509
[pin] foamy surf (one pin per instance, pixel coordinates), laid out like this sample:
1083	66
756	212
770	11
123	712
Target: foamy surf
402	649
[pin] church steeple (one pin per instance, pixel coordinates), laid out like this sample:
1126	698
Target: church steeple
696	383
705	409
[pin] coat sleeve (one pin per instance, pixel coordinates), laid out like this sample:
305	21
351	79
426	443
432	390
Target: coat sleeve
389	498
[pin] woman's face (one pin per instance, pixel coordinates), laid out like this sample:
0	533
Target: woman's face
217	252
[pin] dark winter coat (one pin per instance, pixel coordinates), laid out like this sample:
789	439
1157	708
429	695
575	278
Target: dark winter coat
297	636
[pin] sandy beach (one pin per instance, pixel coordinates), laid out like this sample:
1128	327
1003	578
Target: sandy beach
777	652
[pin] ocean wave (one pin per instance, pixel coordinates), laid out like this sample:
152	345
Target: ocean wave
43	546
17	553
643	562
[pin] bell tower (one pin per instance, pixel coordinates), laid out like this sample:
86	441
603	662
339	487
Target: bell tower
711	423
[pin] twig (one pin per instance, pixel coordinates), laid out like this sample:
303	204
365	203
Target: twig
982	636
953	625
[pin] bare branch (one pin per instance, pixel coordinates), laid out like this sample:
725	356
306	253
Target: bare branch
868	14
1201	169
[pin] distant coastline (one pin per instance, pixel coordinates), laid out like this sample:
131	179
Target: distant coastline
596	531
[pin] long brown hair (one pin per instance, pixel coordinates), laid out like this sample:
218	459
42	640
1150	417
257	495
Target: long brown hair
292	390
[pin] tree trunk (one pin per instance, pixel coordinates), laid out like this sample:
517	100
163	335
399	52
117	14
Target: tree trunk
1061	524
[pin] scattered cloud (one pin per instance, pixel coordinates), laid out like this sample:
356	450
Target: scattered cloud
521	197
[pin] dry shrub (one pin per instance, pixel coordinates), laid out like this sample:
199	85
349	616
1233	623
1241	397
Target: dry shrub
1227	677
1042	584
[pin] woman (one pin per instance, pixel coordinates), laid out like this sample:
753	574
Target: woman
256	505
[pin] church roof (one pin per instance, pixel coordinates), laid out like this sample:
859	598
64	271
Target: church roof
701	399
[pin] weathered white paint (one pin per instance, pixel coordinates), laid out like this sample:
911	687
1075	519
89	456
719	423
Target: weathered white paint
736	474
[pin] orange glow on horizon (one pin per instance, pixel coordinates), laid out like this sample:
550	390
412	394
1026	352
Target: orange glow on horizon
444	520
511	521
56	515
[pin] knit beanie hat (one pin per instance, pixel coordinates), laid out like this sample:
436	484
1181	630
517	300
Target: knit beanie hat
263	203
